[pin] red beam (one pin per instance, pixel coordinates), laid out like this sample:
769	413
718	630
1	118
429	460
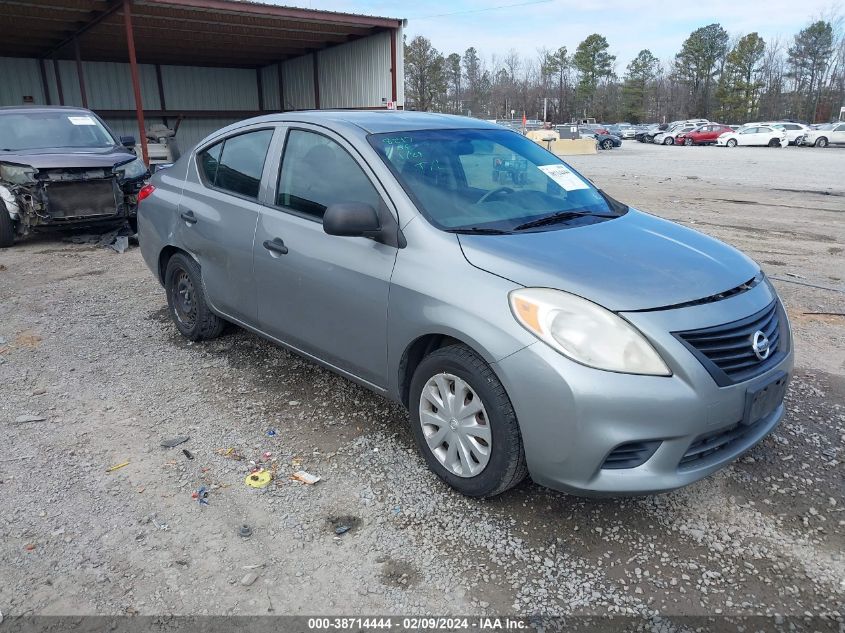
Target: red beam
393	90
136	84
289	13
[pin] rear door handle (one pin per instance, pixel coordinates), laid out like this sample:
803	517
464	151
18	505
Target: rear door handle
276	246
188	216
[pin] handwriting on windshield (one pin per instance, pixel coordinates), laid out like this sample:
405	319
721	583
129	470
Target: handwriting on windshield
403	147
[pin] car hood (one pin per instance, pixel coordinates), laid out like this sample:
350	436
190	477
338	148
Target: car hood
634	262
69	157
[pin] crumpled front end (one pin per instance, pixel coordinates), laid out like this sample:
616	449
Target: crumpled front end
65	197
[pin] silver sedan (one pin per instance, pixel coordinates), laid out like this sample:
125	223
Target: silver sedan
530	323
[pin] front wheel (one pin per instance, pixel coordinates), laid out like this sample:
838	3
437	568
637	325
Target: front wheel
774	142
464	423
607	144
731	142
668	141
186	300
821	142
688	142
7	227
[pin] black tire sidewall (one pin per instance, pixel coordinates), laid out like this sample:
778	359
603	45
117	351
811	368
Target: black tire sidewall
176	264
500	417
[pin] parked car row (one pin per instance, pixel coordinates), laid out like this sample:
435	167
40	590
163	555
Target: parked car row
768	134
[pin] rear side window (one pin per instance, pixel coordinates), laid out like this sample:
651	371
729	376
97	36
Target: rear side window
208	160
317	172
236	163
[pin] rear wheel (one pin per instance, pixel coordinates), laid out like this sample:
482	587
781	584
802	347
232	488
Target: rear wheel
186	299
821	142
731	142
464	423
7	227
774	143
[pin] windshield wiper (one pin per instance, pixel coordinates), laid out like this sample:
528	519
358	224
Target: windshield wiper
478	230
559	217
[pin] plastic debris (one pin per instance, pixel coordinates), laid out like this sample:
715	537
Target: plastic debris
265	456
259	479
201	495
271	432
175	441
29	417
250	578
230	453
342	529
306	478
244	531
111	469
187	453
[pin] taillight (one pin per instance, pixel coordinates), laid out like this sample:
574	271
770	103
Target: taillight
145	192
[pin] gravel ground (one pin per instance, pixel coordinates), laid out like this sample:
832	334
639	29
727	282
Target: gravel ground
85	344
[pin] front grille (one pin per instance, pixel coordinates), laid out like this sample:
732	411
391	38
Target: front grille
75	200
630	455
706	445
726	350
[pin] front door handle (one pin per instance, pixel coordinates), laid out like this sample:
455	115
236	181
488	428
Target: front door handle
188	216
276	246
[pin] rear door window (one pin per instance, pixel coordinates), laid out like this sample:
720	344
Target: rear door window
208	160
242	162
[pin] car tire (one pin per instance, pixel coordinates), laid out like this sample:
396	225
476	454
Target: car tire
688	142
505	464
821	142
731	142
7	227
668	141
607	144
774	142
186	300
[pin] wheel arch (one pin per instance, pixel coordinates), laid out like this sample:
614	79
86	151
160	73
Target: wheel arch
418	349
164	257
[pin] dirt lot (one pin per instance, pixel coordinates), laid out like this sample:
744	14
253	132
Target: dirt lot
85	343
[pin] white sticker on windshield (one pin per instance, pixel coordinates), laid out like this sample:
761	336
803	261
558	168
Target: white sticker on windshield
82	120
563	176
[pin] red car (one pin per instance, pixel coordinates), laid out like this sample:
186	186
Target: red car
702	135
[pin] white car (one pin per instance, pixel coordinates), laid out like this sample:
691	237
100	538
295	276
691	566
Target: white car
754	135
794	131
830	133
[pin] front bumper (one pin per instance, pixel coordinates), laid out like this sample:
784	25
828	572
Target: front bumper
572	416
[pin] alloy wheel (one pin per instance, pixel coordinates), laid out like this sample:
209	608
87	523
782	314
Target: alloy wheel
455	425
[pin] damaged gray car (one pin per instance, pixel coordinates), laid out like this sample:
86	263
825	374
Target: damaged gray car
62	168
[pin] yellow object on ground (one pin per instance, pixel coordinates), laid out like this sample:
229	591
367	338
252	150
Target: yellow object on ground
259	479
116	467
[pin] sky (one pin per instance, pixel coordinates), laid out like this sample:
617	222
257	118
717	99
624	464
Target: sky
497	26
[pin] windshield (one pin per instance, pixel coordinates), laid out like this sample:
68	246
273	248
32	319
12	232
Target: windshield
58	128
493	180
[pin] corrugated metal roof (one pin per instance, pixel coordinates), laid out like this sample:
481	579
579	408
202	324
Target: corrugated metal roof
190	32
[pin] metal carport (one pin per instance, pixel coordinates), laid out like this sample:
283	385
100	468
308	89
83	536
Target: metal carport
208	62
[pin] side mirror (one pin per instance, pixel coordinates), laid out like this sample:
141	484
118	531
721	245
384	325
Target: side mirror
352	219
127	141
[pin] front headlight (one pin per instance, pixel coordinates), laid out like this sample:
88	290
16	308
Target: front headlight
16	174
134	169
585	332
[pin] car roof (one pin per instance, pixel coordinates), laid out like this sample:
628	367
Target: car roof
378	121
